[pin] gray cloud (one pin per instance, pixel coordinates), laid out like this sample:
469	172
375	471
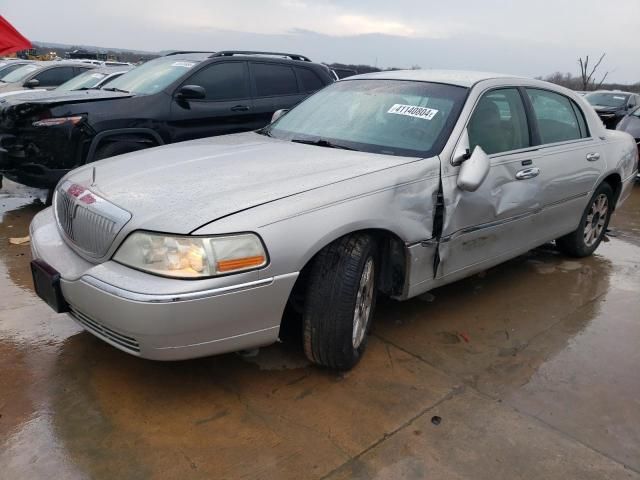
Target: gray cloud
527	38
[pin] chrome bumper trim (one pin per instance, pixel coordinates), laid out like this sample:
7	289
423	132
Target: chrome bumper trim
177	297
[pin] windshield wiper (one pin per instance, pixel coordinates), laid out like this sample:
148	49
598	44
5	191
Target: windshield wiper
321	142
114	89
264	131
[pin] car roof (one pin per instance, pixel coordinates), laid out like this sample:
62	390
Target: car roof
196	56
57	63
112	69
460	78
613	92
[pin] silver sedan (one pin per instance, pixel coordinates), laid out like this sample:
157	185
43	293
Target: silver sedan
384	184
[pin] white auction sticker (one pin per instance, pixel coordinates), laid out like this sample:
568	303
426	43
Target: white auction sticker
413	111
183	64
619	98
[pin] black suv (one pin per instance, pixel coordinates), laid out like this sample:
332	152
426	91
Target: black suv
181	96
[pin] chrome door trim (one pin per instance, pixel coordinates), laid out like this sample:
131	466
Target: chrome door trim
503	221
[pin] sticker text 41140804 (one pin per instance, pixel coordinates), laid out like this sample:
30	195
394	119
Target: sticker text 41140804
413	111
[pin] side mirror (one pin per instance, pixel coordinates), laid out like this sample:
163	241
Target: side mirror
278	113
474	171
33	83
191	92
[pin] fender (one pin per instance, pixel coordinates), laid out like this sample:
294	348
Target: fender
120	131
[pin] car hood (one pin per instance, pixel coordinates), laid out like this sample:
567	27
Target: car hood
180	187
54	97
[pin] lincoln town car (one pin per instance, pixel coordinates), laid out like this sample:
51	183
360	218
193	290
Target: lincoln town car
385	184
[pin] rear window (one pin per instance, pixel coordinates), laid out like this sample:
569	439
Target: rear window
273	79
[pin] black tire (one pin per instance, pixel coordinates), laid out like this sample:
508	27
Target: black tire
329	314
575	244
112	149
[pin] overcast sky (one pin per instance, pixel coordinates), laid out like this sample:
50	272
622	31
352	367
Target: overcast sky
533	37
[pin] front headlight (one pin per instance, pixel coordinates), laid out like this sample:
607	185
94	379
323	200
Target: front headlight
191	257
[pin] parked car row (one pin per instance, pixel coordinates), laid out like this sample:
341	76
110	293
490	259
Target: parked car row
613	106
41	75
181	96
392	184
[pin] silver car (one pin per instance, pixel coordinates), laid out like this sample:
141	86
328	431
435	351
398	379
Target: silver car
391	183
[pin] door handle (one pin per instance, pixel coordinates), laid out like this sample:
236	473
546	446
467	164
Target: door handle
528	173
593	156
239	108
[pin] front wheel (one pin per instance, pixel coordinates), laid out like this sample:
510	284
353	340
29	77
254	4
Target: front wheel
340	302
593	225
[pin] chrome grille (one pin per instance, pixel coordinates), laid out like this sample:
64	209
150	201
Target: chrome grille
128	343
87	220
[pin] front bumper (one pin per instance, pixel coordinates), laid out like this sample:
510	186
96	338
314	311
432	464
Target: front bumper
39	158
215	316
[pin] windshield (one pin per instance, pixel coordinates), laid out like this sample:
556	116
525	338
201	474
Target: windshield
392	117
607	99
85	80
152	76
20	73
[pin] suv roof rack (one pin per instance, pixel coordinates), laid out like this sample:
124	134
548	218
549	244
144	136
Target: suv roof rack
182	52
230	53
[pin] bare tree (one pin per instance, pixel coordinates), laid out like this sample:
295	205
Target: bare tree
587	75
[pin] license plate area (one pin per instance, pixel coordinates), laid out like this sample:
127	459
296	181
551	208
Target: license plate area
46	281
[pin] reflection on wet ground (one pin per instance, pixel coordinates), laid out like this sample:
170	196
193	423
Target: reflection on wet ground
529	370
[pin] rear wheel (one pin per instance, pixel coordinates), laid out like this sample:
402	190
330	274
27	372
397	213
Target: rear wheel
340	302
593	225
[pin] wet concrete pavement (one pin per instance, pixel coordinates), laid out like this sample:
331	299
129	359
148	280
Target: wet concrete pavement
529	370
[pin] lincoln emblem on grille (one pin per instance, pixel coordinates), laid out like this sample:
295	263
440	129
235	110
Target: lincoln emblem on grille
89	222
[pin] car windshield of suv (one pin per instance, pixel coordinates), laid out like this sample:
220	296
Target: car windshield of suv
83	81
152	76
19	73
607	99
393	117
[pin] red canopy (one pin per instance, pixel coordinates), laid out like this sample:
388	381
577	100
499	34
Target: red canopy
10	39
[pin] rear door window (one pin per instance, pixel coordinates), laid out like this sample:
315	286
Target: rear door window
309	80
499	122
222	81
556	116
55	76
272	79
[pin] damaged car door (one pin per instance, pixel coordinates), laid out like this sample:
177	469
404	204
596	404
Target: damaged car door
496	221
